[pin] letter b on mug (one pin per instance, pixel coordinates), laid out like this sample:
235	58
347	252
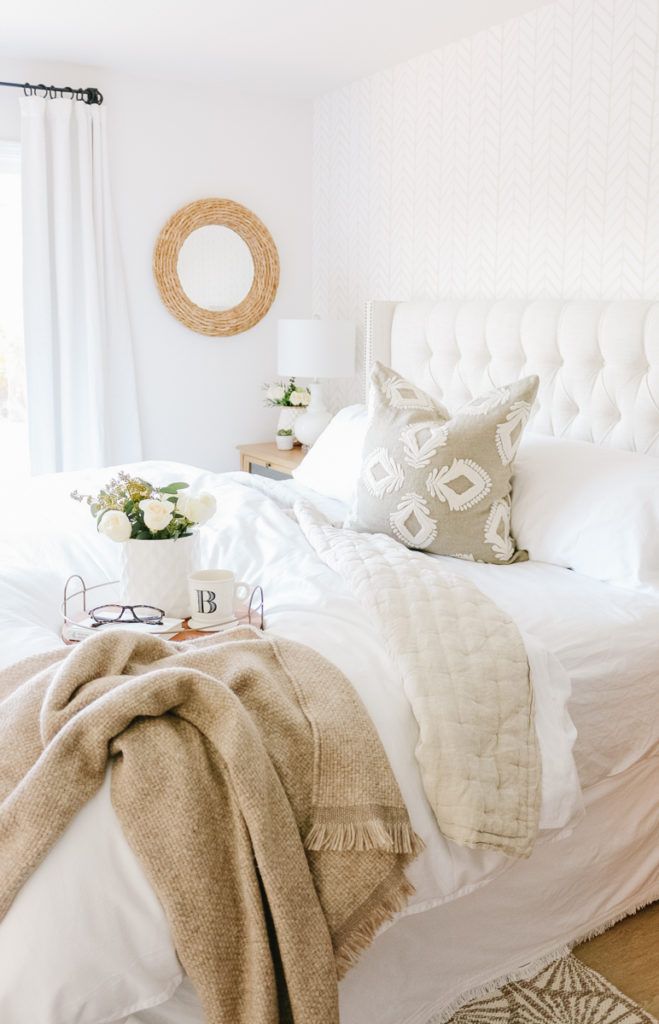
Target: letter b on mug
213	595
206	603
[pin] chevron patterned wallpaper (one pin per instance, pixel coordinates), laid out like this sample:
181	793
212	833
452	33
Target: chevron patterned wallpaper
523	161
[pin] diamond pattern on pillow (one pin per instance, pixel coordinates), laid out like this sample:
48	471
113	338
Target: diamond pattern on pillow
411	522
462	484
440	483
421	441
381	474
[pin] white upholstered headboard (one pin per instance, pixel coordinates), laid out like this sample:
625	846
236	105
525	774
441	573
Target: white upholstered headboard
598	362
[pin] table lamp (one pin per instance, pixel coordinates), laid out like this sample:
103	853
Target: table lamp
314	349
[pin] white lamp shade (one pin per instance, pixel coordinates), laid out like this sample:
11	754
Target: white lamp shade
316	348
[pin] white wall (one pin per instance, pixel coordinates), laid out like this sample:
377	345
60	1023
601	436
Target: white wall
170	144
523	161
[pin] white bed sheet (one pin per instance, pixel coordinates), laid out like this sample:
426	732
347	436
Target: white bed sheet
606	638
110	911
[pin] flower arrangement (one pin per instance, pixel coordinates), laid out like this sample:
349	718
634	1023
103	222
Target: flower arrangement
287	395
129	508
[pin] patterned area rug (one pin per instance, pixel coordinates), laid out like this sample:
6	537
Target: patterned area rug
565	992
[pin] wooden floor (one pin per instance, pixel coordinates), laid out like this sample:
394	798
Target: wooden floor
628	956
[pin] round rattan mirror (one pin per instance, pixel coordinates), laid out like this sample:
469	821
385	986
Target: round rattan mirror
216	267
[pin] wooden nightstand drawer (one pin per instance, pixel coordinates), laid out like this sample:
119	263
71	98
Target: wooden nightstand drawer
268	456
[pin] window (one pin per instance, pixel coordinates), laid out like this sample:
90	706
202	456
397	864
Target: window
14	457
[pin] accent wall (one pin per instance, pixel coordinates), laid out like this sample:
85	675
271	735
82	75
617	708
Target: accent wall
521	162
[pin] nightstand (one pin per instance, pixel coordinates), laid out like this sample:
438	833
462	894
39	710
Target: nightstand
267	456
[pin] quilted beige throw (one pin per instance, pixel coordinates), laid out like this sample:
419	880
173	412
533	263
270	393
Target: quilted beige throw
465	671
250	783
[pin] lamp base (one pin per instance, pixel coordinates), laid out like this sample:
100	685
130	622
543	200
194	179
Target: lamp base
310	424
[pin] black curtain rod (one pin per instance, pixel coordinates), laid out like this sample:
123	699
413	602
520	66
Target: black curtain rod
89	95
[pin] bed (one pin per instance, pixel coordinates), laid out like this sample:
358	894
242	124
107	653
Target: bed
88	926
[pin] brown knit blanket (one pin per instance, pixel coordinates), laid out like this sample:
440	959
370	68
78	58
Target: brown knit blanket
251	785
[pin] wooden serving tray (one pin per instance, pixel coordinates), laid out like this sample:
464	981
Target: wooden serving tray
241	619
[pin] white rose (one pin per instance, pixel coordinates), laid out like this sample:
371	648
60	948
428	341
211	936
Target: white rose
198	508
157	514
306	397
296	398
115	525
276	392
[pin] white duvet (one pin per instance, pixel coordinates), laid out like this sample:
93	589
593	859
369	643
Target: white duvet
86	941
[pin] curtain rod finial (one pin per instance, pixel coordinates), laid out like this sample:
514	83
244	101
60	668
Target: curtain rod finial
93	96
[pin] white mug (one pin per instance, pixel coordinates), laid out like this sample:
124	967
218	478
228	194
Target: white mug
213	595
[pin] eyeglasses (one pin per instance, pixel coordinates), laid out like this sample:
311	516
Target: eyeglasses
114	613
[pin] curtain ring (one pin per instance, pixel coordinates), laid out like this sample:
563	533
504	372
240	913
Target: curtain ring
27	89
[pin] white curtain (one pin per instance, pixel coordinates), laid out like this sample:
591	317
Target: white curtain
81	393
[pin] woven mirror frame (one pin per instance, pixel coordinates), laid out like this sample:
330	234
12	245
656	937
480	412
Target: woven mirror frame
257	302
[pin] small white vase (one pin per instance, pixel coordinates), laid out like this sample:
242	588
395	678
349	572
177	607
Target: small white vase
287	417
156	572
284	443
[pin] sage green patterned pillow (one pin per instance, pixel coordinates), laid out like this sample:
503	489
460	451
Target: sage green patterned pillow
440	483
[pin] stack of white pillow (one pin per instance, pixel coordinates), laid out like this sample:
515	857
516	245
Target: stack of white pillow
574	504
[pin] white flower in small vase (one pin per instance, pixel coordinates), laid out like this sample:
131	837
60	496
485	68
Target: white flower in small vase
197	508
132	512
291	398
157	513
115	525
276	393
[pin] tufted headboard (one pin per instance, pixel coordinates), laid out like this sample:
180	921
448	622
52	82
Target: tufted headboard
598	362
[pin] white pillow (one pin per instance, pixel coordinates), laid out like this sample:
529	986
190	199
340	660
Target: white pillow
591	509
332	466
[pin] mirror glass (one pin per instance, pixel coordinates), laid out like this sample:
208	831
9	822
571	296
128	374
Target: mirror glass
215	267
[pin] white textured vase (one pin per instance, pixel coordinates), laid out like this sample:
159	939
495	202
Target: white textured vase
314	418
156	572
287	417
